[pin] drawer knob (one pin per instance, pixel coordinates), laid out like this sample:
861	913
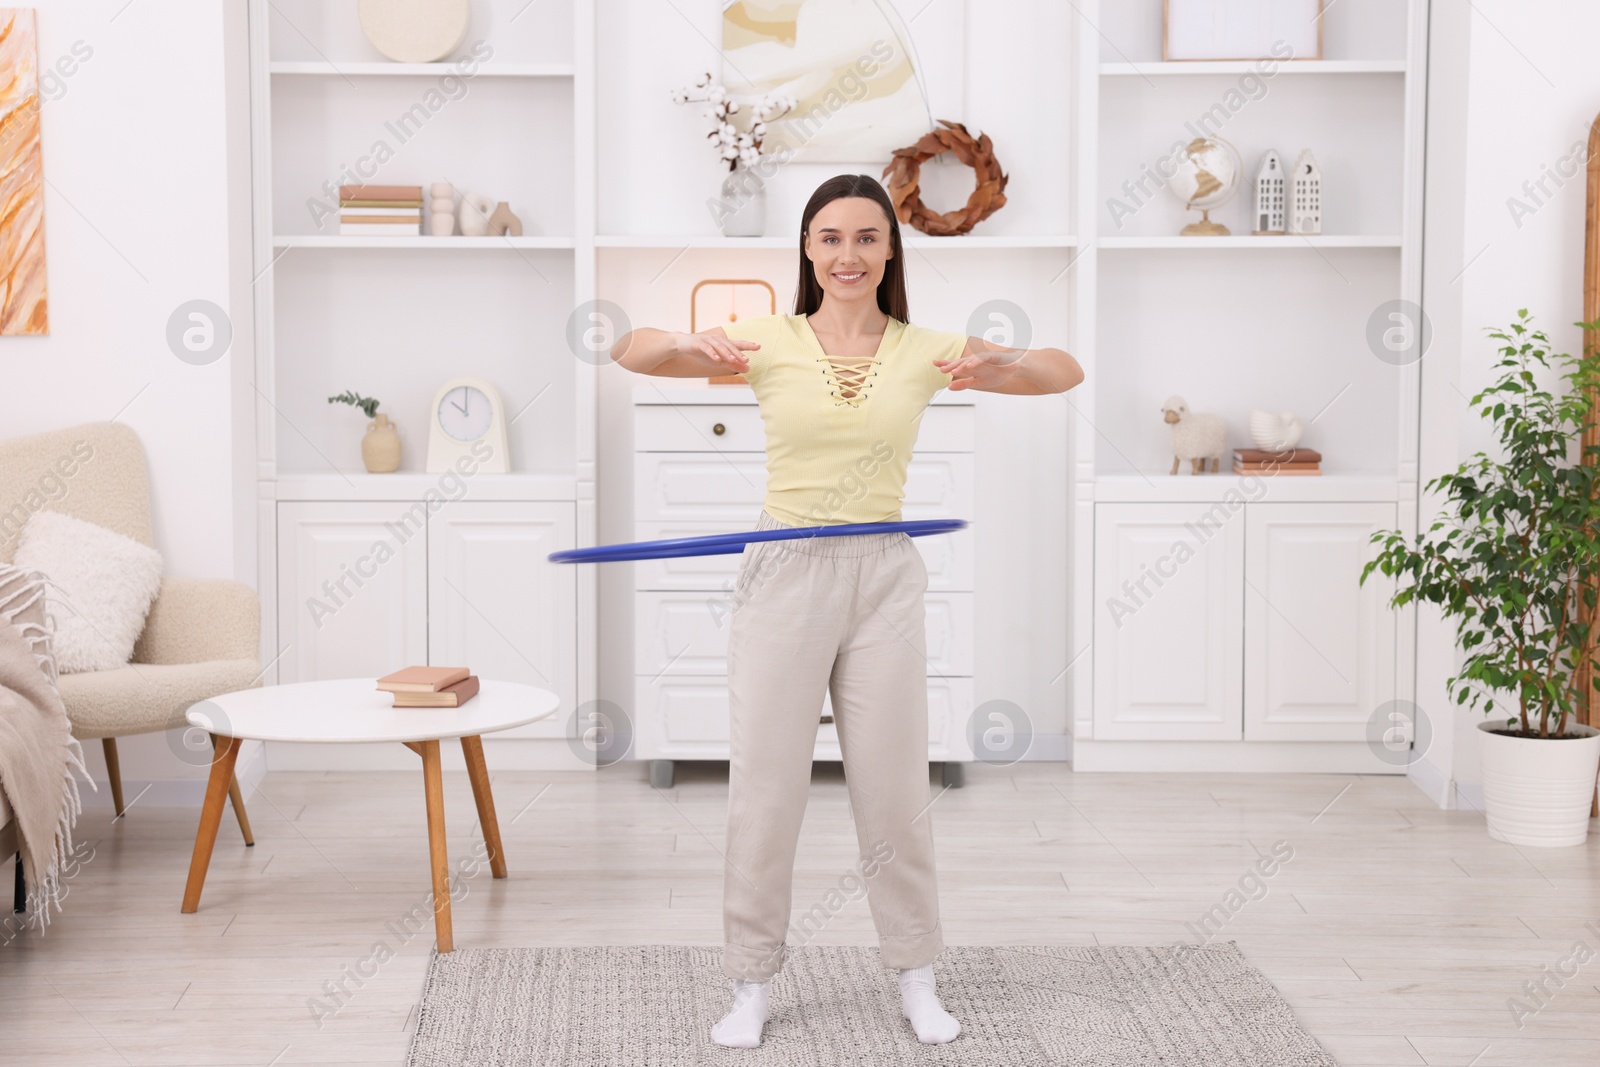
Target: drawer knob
719	429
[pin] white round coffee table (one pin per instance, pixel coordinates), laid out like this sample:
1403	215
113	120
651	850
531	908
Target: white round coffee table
354	710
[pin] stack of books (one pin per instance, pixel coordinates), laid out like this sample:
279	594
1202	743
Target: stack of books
380	210
430	687
1293	461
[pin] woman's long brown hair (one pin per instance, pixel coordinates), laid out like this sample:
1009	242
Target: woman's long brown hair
892	289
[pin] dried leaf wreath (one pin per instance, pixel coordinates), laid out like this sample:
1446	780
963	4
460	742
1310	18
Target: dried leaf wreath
906	169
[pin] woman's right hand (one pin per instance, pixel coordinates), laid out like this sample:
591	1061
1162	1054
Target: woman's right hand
718	348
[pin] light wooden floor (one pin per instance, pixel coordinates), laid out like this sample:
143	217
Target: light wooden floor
1397	931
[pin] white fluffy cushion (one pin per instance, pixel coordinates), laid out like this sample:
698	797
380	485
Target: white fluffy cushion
102	587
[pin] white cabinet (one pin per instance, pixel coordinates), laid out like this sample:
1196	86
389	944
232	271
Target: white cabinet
352	590
497	604
1168	621
700	468
1319	646
1219	621
366	587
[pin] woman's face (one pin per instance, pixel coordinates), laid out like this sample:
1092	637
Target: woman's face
848	243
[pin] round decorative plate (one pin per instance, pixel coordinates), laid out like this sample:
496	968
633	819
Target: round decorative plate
415	31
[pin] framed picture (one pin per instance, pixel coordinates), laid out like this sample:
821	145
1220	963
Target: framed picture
1242	29
868	76
24	308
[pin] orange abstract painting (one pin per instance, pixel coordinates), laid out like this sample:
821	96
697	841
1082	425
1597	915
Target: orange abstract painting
23	307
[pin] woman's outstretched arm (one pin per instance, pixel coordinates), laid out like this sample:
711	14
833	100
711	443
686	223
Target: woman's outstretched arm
996	369
681	355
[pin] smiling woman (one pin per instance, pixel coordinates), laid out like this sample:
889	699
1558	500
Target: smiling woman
842	383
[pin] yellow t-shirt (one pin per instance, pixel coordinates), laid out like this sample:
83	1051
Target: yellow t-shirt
833	458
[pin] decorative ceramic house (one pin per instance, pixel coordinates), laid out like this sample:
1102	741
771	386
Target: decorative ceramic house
1305	195
1269	195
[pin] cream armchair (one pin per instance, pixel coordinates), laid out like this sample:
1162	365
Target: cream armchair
202	636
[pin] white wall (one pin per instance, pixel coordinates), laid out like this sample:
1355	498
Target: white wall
1513	89
136	207
137	222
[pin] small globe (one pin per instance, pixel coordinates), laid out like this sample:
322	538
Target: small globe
1207	176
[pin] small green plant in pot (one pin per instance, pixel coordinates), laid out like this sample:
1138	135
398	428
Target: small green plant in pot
380	448
1512	559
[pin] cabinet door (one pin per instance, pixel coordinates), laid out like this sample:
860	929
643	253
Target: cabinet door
352	589
1168	621
1319	646
497	605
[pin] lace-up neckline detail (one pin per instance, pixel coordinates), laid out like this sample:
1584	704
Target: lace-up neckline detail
849	378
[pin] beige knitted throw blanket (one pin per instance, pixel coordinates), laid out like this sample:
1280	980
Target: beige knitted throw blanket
38	753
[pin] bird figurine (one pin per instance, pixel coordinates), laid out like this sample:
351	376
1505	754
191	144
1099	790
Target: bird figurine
1275	433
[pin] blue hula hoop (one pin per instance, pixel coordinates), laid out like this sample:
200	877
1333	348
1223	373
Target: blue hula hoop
727	544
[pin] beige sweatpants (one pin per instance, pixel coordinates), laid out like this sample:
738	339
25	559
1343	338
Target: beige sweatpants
840	614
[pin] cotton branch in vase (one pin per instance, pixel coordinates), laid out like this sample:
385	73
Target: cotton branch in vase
736	147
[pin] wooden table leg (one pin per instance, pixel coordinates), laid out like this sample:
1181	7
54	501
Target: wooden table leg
478	772
433	787
210	818
236	798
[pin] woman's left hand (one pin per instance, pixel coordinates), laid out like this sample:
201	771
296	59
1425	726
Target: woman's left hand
983	370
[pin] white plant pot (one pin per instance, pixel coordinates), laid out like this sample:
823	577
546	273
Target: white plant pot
1537	792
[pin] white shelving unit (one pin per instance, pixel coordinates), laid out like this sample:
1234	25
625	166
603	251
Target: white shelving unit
1256	650
1231	323
433	244
394	317
430	70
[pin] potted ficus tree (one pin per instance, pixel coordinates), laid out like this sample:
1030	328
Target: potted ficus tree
1513	559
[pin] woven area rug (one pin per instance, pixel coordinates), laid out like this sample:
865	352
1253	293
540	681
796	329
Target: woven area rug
653	1005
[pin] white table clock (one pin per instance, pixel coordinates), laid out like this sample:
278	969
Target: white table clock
467	415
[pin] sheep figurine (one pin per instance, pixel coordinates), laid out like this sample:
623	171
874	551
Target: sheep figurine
1195	437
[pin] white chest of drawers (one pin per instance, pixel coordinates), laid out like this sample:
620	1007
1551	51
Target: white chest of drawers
700	468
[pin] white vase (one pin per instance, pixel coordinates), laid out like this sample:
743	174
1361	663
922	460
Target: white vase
1537	791
742	209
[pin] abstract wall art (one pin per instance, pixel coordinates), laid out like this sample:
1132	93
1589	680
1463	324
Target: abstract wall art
23	307
860	80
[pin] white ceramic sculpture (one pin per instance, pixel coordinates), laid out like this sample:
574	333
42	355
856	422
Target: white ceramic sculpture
1275	433
474	214
441	209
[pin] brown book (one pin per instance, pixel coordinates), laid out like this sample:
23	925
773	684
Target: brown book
380	192
363	220
1279	471
422	679
1270	466
1259	454
381	203
452	696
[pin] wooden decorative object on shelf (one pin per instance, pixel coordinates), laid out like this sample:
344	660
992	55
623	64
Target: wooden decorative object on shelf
731	316
906	169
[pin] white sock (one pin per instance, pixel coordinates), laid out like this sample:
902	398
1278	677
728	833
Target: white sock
921	1006
741	1027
